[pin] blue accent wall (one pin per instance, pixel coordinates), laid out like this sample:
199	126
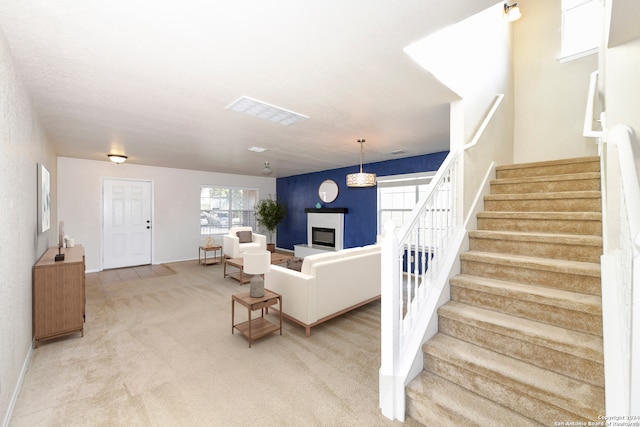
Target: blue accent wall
299	192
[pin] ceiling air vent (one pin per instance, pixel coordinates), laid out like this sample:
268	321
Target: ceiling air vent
265	111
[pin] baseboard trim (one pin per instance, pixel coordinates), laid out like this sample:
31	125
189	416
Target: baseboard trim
18	387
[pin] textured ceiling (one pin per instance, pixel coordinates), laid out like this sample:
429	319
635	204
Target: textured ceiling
151	79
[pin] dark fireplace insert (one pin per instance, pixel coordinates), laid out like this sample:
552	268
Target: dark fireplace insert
323	236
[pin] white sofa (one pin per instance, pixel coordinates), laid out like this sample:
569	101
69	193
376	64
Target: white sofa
232	248
328	285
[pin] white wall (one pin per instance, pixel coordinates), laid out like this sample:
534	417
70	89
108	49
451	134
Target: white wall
622	89
550	97
473	58
496	144
176	204
23	146
485	73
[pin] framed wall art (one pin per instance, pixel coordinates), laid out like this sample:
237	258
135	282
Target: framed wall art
44	198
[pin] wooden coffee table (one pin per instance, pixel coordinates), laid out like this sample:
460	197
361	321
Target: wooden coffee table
276	258
258	327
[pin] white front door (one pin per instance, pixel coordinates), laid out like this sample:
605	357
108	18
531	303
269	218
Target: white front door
126	223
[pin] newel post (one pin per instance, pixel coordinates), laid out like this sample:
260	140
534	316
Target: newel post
391	387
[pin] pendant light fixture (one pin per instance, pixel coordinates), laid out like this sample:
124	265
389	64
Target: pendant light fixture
361	179
266	169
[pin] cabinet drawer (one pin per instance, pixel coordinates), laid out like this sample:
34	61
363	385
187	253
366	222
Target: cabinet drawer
265	304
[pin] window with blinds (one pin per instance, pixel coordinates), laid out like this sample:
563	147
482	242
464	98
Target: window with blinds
225	207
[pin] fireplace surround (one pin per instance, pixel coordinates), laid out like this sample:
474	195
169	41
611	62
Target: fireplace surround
328	224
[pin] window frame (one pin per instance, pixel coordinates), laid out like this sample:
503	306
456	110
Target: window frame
569	54
404	180
243	217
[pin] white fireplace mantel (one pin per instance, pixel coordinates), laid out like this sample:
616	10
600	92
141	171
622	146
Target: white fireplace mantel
323	218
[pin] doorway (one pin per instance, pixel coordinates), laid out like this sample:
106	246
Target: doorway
126	223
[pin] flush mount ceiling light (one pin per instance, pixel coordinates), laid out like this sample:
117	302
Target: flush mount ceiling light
266	169
117	158
512	12
265	111
257	149
361	179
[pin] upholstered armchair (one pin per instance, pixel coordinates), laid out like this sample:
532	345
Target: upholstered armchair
242	239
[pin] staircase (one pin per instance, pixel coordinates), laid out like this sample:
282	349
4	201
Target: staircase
520	342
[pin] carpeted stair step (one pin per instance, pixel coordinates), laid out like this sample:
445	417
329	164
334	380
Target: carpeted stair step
575	276
520	341
574	354
589	181
536	393
545	245
569	201
583	223
553	167
434	401
570	310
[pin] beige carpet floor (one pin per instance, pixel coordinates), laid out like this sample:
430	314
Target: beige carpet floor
159	352
127	274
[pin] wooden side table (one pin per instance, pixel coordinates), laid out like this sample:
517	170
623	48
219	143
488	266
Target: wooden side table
258	327
239	275
217	259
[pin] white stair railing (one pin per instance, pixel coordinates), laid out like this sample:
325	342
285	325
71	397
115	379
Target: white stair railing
414	259
593	104
620	262
621	274
417	262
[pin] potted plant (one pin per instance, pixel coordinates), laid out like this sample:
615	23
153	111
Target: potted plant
269	213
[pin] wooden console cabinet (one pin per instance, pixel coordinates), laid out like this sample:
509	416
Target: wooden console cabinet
58	294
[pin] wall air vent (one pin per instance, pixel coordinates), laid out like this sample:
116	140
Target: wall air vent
265	111
397	152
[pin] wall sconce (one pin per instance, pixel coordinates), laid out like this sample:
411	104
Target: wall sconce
361	179
512	12
117	158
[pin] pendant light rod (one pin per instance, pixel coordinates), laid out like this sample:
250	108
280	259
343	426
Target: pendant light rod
361	179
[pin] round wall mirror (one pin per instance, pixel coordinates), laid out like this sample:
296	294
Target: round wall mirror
328	191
